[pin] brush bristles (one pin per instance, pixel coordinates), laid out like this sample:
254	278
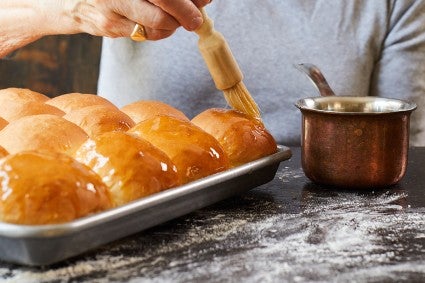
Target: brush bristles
239	98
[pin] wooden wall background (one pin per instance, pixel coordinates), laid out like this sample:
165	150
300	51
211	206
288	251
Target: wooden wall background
55	65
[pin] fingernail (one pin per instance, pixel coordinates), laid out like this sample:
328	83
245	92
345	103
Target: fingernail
196	23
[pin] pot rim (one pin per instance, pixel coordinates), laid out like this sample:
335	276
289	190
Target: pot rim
310	103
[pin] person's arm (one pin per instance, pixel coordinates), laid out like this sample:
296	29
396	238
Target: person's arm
20	24
24	21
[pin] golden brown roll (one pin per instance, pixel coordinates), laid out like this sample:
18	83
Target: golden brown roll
12	96
3	152
130	166
195	153
242	138
72	101
18	110
99	119
42	132
3	123
21	95
146	109
41	188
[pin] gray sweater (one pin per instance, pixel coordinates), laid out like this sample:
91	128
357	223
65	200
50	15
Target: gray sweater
364	47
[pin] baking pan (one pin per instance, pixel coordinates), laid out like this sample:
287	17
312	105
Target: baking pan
47	244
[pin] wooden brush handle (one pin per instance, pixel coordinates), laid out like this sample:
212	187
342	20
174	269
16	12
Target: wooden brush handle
217	55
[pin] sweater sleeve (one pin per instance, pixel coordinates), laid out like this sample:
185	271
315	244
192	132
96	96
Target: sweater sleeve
400	70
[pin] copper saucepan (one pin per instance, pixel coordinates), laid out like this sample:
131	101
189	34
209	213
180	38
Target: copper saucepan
354	142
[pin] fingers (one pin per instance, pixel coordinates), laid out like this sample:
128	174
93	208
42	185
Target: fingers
184	11
201	3
144	12
157	23
117	18
101	22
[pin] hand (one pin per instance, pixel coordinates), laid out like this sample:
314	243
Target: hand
112	18
117	18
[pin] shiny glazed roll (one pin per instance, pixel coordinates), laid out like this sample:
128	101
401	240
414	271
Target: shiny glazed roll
72	101
146	109
99	119
242	138
18	110
195	153
43	188
42	132
131	167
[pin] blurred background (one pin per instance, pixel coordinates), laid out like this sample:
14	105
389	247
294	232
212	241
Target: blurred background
54	65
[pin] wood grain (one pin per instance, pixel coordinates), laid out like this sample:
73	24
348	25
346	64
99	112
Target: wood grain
55	65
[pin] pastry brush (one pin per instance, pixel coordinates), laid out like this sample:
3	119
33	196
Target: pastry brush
224	69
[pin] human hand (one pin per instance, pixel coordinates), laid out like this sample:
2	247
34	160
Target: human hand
117	18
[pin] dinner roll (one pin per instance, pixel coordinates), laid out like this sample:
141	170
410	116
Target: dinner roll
18	110
131	167
13	96
44	188
72	101
195	153
3	123
3	152
243	139
42	132
98	119
21	95
145	109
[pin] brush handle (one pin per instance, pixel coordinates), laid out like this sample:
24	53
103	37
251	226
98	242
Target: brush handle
217	55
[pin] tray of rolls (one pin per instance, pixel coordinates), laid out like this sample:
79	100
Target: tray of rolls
75	167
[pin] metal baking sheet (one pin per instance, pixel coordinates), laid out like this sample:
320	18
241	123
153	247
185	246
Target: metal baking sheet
47	244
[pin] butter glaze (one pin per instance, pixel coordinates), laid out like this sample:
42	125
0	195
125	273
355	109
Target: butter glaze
195	153
44	188
130	166
242	138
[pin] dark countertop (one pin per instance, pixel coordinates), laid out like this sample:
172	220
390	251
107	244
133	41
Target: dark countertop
288	230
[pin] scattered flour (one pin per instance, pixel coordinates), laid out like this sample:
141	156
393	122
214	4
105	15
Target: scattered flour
287	174
343	237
